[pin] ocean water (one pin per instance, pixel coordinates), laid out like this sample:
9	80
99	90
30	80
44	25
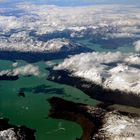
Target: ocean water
32	110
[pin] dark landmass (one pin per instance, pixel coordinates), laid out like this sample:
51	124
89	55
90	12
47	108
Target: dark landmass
62	109
94	120
20	132
21	94
56	34
32	57
28	75
96	36
9	77
93	90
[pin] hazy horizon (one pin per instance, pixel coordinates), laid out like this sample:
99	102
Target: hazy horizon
72	2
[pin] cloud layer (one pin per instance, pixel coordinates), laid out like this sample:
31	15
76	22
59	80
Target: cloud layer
137	45
111	70
33	26
23	70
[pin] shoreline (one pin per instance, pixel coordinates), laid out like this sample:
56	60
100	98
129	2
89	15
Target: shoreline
9	77
93	90
9	131
95	121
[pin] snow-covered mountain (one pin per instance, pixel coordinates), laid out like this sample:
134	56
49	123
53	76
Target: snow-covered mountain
111	70
33	26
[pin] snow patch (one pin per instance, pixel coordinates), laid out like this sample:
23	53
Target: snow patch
118	127
8	134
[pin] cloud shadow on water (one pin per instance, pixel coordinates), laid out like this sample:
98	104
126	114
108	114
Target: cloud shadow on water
46	89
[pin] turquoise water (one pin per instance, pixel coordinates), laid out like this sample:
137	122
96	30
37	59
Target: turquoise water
32	110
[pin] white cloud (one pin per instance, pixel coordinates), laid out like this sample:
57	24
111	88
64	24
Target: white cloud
15	64
27	70
111	70
6	72
137	46
23	70
50	63
24	43
110	21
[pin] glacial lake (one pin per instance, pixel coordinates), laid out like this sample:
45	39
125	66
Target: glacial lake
32	110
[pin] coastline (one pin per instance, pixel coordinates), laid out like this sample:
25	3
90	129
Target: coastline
93	90
9	77
9	131
96	122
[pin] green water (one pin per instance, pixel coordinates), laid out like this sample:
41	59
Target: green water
99	48
32	110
